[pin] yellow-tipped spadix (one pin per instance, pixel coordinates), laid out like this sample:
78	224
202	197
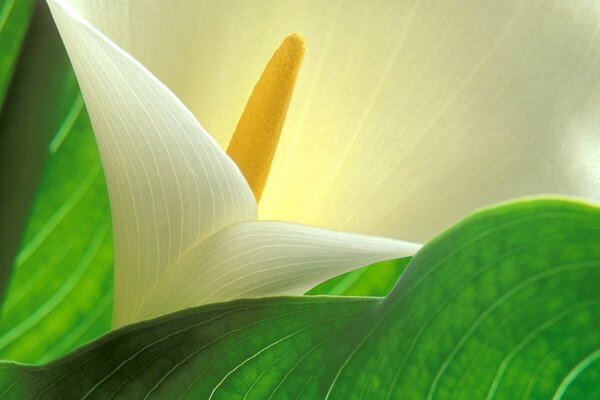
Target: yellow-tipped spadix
255	139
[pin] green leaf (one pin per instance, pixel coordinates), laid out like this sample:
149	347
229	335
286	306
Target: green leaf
504	305
373	280
14	20
60	293
16	184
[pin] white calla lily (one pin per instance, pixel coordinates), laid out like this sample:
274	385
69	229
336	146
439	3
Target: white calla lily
407	116
181	207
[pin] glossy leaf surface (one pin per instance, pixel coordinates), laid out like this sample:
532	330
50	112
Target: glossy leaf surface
504	305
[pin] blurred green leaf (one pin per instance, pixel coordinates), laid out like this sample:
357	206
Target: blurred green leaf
16	184
504	305
14	20
373	280
60	292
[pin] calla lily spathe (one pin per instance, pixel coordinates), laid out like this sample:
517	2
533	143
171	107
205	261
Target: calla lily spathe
407	116
184	218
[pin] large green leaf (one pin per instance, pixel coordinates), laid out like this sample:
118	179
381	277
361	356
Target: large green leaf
505	305
60	293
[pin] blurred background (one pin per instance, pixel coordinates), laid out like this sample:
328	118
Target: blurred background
55	228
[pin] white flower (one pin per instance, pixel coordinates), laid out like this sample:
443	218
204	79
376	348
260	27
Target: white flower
407	116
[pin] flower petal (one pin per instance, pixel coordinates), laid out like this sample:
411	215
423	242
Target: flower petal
407	114
170	184
255	259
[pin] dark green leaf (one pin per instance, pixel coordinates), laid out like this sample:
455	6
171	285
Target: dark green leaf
60	293
14	20
16	184
505	305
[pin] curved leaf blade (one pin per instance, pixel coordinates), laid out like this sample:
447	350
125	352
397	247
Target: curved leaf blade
504	305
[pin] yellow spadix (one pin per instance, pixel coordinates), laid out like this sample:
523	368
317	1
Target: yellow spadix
255	139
